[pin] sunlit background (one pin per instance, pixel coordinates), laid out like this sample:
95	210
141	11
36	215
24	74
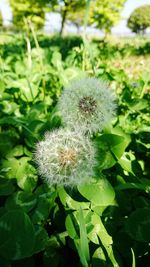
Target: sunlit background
53	20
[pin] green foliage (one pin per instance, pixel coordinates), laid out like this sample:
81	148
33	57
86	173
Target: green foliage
72	11
105	14
17	235
139	20
105	223
31	10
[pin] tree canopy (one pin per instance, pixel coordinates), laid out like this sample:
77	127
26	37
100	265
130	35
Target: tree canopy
71	10
30	9
105	14
139	20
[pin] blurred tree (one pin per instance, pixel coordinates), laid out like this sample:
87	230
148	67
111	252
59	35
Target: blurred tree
1	19
139	20
72	10
76	18
30	9
104	14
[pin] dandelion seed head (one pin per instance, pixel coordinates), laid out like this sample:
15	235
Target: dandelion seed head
87	103
65	157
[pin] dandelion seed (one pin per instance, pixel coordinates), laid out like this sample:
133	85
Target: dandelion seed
87	104
65	157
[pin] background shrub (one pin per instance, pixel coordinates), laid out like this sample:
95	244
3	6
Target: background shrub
139	20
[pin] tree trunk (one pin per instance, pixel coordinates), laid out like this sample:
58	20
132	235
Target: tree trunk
64	16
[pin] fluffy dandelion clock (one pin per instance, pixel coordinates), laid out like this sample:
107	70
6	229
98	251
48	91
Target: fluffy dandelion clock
65	158
87	103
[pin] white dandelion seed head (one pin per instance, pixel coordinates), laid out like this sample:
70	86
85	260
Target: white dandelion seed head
88	104
65	157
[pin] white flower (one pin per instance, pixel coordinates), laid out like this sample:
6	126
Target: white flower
87	103
65	157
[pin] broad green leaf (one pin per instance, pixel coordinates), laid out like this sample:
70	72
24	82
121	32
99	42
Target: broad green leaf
95	231
13	165
23	171
45	202
138	104
6	187
52	256
139	186
138	225
9	107
76	228
24	200
57	61
69	202
17	235
41	239
6	143
26	175
28	89
111	147
99	259
2	87
69	74
105	238
126	162
99	192
17	151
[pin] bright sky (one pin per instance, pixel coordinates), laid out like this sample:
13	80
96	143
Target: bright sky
53	21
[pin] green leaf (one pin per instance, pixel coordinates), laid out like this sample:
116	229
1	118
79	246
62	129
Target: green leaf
2	87
24	200
57	60
52	256
138	104
133	258
76	228
6	143
126	162
41	239
17	235
26	175
136	186
23	171
111	148
83	237
70	73
28	89
45	202
9	107
95	231
100	192
72	226
17	151
6	187
13	165
99	259
99	233
69	202
138	225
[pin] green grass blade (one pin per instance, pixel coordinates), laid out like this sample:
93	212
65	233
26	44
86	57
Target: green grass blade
133	258
83	243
